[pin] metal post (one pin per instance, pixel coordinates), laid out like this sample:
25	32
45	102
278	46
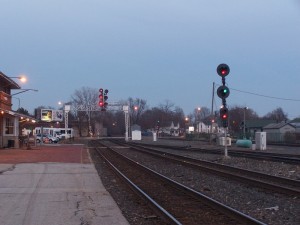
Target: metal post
67	109
212	112
126	111
244	127
225	151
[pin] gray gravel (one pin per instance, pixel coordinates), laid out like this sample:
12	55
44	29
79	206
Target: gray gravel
268	207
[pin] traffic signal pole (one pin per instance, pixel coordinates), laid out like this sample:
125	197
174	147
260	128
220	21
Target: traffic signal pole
223	92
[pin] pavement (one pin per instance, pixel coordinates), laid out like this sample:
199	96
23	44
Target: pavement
54	185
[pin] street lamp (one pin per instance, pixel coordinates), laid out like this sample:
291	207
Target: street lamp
22	78
24	90
198	119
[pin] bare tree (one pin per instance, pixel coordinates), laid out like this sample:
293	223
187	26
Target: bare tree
167	106
236	117
87	98
137	108
277	114
200	114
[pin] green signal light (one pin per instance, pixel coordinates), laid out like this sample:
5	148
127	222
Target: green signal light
223	91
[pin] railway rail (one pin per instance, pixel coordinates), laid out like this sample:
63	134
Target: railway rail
276	157
258	179
178	203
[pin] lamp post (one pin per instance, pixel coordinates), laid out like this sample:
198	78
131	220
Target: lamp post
198	119
24	90
186	120
18	101
22	78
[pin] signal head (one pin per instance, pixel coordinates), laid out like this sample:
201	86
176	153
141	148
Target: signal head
224	116
223	92
223	70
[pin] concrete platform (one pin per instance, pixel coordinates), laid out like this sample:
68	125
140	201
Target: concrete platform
55	193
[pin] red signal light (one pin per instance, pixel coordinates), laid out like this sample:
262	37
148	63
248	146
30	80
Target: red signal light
101	102
223	70
224	116
103	98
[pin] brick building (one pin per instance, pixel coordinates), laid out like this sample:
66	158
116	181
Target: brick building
10	120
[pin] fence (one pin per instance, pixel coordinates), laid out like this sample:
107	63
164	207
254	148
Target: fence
283	138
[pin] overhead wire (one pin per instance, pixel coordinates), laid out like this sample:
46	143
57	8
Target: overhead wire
265	96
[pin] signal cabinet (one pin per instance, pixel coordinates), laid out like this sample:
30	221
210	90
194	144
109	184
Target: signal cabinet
261	140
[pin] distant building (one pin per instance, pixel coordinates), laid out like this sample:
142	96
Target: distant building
277	132
171	130
255	125
297	126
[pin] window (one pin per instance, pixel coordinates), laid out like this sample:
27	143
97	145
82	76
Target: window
9	126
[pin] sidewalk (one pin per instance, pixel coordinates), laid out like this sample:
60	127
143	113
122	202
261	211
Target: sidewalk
53	185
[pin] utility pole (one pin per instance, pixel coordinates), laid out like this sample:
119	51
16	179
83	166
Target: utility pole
212	112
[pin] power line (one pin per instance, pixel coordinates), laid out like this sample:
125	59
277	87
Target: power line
266	96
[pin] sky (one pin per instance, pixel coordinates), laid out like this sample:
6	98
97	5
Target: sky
154	50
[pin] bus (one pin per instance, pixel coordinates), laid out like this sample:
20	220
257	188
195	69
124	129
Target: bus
55	132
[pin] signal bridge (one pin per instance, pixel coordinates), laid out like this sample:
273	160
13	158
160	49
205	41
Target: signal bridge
113	106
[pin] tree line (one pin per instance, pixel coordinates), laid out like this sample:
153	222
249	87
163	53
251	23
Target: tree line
147	117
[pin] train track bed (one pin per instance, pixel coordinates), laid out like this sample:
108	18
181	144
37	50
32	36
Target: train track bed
272	208
136	210
187	206
275	168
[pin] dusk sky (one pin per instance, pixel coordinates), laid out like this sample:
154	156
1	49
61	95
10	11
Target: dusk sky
155	50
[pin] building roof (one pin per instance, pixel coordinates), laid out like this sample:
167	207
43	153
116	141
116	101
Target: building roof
17	114
8	82
277	125
258	123
296	125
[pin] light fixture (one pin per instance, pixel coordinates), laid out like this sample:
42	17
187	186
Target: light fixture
23	90
22	78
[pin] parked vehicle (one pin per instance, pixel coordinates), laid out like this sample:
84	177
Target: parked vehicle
46	138
55	132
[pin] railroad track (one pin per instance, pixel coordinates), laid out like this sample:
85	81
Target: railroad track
257	179
177	203
276	157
